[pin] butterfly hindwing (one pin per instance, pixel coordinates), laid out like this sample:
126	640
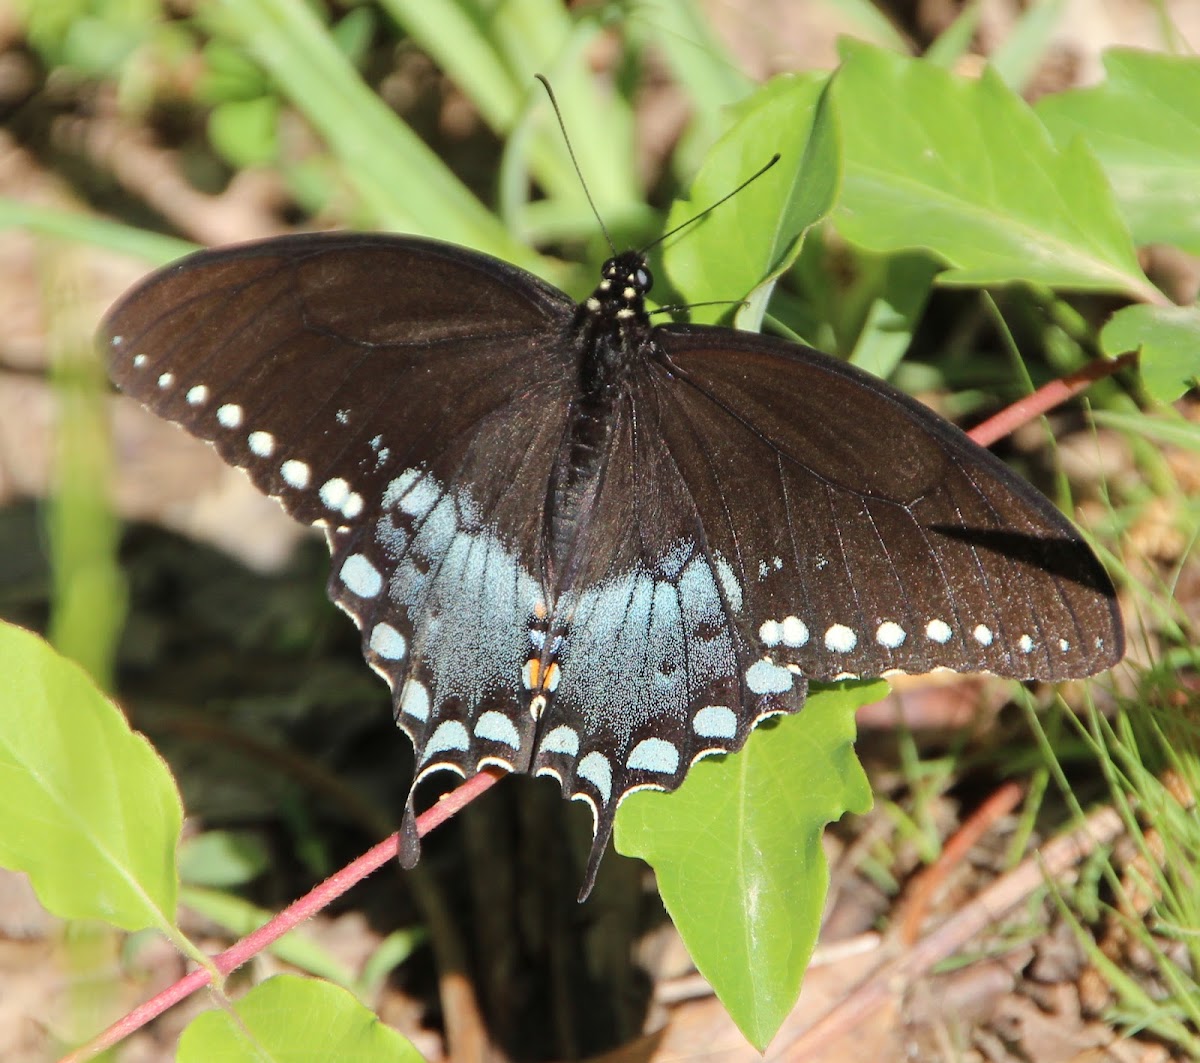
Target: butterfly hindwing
655	643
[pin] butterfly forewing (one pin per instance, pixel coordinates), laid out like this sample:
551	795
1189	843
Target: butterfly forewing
407	396
867	533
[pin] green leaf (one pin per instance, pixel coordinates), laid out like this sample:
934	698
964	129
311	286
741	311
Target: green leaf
243	131
1169	339
288	1018
964	169
741	247
1143	124
899	289
91	812
737	851
223	858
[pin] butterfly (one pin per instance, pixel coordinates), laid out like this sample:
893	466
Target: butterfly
580	545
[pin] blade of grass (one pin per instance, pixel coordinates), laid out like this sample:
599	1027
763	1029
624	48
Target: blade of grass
99	232
401	181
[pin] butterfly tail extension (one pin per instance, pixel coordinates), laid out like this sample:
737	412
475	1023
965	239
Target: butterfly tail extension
603	832
410	839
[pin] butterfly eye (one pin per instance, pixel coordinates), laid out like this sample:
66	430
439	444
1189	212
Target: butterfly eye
644	279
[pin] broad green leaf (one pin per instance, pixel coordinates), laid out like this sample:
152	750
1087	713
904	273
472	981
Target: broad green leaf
1169	339
742	246
289	1019
1143	125
91	812
222	858
737	851
964	169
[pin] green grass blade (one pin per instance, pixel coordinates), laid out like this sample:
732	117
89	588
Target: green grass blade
401	182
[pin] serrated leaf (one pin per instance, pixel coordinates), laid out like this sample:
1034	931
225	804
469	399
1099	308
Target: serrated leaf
288	1019
737	851
1143	124
749	240
1169	339
91	812
964	169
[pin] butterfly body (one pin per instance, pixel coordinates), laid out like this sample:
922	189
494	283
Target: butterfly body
586	547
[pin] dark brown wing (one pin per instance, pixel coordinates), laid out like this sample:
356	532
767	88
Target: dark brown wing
409	397
868	534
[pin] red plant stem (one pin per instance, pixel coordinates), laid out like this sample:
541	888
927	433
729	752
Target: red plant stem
1046	398
915	907
291	917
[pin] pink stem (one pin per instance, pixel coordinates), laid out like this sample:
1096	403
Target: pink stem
1045	398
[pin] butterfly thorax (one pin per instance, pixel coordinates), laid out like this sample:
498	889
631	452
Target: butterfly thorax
609	331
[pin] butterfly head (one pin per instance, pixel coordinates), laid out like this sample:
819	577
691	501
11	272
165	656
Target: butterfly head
621	293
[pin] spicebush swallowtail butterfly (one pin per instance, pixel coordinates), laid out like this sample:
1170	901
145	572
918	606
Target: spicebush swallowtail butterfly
582	546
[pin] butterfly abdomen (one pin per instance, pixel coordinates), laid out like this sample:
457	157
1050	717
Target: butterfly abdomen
609	332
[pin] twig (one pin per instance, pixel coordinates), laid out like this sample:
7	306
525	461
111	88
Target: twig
915	904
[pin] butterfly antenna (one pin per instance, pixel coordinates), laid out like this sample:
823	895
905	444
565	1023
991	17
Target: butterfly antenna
712	206
574	161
